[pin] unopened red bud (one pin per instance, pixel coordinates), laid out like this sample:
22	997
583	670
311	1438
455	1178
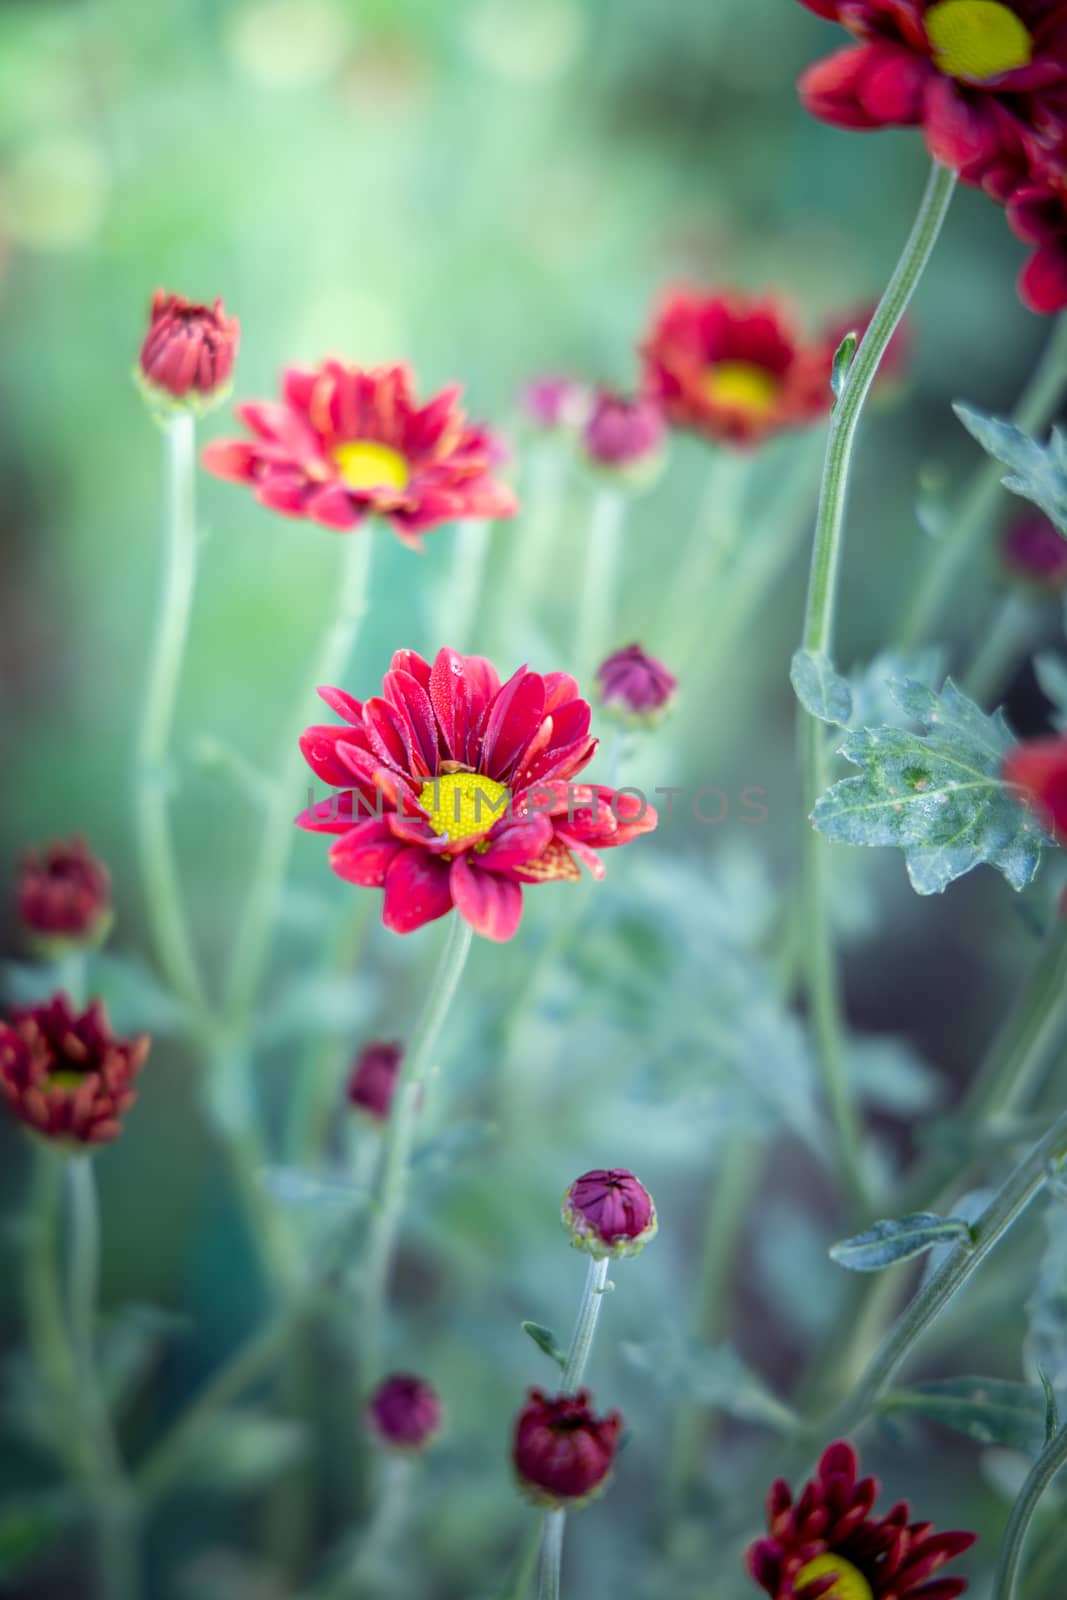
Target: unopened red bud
63	894
405	1412
373	1081
188	354
1033	549
609	1213
562	1451
636	685
625	436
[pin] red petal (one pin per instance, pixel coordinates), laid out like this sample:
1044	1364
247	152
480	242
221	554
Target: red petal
492	905
416	891
513	721
365	854
1043	280
234	459
831	89
515	843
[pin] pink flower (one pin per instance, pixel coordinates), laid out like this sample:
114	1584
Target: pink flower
625	435
189	352
454	790
346	443
609	1213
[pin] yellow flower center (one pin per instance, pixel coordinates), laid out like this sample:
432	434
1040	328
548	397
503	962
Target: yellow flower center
460	804
977	39
850	1584
365	464
66	1078
743	386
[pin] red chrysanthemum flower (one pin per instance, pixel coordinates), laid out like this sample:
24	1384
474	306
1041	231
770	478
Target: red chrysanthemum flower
66	1076
1038	768
372	1084
984	79
344	444
64	895
188	354
827	1546
609	1213
405	1412
454	791
1037	214
562	1451
733	368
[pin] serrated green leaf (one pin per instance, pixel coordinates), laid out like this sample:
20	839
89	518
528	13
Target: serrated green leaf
937	794
897	1239
1038	472
873	704
545	1340
821	690
990	1410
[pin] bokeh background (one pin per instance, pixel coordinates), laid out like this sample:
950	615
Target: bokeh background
490	189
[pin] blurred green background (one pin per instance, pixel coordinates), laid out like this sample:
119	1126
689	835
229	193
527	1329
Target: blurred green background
489	189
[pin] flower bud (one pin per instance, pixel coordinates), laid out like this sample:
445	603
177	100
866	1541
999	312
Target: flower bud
405	1412
63	893
1034	550
187	358
562	1452
625	436
635	685
372	1083
65	1075
609	1213
1038	769
556	402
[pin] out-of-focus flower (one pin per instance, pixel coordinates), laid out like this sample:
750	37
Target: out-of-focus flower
63	893
346	443
609	1213
635	685
1037	214
1033	549
562	1451
373	1081
555	401
827	1546
188	355
65	1075
1038	768
454	790
625	435
405	1412
984	80
895	363
733	368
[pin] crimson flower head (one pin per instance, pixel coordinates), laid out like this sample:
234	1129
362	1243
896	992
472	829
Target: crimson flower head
636	685
64	896
373	1081
1037	214
1038	768
625	435
733	368
984	79
65	1075
554	401
345	443
1034	550
827	1545
609	1213
562	1451
405	1412
188	354
454	790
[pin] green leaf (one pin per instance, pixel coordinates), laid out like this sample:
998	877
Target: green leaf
938	795
545	1340
240	1451
844	356
990	1410
873	704
1038	473
715	1377
30	1526
820	689
897	1239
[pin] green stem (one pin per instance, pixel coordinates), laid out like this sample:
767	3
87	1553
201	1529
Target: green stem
1003	646
596	1286
712	541
462	593
276	841
821	966
548	1587
544	485
598	610
400	1133
958	547
1051	1460
159	869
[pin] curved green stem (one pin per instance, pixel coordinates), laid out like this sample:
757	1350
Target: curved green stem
548	1587
598	610
820	616
159	870
961	542
1051	1461
1004	643
400	1134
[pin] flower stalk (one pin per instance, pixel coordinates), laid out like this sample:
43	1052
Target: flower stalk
818	638
598	608
1049	1463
